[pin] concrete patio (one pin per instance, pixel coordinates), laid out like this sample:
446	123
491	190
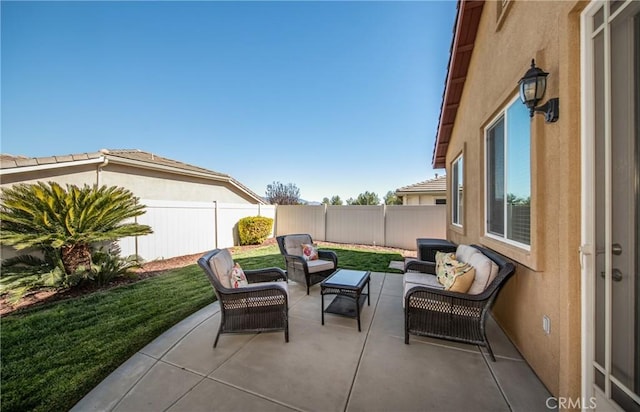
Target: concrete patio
323	368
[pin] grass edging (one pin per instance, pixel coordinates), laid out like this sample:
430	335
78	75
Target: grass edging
54	354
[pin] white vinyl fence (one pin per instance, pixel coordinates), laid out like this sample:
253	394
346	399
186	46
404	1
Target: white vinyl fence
184	228
392	226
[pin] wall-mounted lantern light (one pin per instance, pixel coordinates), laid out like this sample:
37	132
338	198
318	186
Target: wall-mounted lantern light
532	87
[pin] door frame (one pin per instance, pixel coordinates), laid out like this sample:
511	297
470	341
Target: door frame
587	203
588	206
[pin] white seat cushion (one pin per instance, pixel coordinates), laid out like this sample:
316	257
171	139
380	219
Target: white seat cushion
486	271
293	243
320	265
464	253
280	284
222	264
412	279
422	279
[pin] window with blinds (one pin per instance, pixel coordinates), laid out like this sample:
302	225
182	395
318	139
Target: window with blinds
508	174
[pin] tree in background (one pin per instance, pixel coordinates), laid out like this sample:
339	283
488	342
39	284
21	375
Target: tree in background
336	201
366	198
392	199
512	199
281	194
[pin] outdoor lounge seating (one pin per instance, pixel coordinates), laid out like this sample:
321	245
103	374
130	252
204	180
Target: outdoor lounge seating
306	270
260	306
429	310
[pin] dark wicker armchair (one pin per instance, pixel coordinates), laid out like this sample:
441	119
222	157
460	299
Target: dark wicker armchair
449	315
298	269
262	306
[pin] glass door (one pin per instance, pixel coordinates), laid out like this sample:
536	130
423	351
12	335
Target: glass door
612	225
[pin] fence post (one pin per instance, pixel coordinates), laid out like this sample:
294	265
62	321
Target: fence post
275	220
215	219
324	218
384	224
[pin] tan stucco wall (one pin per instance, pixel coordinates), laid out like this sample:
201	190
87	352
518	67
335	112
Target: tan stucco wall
144	183
547	279
77	175
151	184
422	199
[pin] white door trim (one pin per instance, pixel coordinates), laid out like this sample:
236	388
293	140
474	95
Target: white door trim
587	248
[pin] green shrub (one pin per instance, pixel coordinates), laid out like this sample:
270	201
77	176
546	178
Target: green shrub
108	265
253	230
25	273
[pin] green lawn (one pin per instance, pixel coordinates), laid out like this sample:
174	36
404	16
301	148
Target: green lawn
54	354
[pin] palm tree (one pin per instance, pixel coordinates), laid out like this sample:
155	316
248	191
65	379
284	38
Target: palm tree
45	215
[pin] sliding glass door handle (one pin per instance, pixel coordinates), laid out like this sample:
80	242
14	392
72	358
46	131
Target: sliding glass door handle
616	249
616	275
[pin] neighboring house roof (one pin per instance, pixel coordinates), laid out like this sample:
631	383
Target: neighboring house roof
437	185
132	157
464	36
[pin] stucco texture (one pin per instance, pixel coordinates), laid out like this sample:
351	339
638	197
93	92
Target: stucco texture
547	279
157	185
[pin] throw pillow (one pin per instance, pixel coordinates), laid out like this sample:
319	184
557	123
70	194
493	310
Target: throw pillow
238	278
309	251
452	270
441	259
462	282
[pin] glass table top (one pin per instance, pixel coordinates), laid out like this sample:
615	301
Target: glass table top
346	277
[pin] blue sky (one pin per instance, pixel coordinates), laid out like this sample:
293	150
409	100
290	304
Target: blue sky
336	97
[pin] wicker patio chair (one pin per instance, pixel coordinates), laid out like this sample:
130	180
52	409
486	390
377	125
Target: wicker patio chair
300	270
450	315
261	306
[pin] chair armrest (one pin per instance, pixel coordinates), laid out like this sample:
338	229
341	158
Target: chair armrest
296	260
329	255
421	266
265	275
425	292
252	289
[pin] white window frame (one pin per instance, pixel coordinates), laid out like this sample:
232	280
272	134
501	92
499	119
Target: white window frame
503	238
457	203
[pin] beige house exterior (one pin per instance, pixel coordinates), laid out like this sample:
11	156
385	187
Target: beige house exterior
191	209
429	192
147	175
572	307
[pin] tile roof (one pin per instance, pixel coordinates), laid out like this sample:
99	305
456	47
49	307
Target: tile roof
153	159
438	184
8	161
138	157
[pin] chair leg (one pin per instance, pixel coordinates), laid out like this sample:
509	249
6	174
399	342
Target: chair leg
483	330
493	358
286	332
218	335
406	327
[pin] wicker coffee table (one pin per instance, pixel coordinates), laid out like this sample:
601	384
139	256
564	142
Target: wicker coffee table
348	286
